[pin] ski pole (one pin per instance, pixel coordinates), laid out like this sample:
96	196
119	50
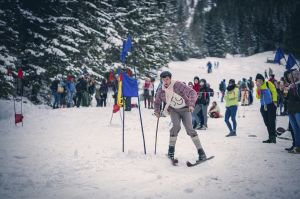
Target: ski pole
156	134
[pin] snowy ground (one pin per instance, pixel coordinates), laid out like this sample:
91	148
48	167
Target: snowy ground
76	153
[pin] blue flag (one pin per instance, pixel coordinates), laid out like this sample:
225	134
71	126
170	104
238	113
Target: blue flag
290	62
129	86
126	48
278	56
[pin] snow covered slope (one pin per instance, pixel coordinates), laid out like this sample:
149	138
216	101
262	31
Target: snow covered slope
76	153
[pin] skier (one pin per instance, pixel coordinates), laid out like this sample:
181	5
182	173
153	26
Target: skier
267	94
231	101
180	102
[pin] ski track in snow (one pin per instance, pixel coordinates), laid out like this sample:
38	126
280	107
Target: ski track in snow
75	153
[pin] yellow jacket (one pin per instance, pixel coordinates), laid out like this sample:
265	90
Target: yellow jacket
266	94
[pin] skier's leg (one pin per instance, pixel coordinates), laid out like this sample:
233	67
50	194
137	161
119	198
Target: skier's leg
187	123
175	118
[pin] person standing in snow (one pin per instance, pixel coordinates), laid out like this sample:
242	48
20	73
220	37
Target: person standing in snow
146	87
151	92
244	92
203	101
70	91
180	102
250	86
267	94
231	103
103	90
195	116
222	89
54	89
209	67
293	99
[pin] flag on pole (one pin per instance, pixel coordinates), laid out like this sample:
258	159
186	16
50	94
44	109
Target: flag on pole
18	118
129	86
126	48
278	55
116	108
291	61
119	96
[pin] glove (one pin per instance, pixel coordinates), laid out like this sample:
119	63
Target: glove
157	114
191	109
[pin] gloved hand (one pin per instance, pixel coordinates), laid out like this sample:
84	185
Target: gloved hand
157	114
191	109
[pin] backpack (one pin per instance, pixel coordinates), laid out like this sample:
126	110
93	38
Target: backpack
220	86
267	83
60	89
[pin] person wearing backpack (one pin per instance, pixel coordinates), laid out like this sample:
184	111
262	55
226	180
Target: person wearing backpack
267	94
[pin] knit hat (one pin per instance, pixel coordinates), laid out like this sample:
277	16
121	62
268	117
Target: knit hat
165	74
259	76
197	78
231	81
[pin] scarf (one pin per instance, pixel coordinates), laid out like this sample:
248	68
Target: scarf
172	99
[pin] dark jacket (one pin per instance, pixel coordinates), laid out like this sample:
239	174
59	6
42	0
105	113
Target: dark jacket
293	99
204	95
54	85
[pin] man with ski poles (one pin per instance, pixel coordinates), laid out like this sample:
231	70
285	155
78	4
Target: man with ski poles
180	102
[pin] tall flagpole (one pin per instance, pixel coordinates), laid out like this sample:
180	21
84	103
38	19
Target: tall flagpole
123	134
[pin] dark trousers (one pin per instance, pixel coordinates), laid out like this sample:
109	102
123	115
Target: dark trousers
250	96
79	97
269	117
102	101
292	132
231	113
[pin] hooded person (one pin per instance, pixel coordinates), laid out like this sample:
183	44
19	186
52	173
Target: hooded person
231	103
180	102
267	94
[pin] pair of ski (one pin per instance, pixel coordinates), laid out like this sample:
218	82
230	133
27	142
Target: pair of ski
174	162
